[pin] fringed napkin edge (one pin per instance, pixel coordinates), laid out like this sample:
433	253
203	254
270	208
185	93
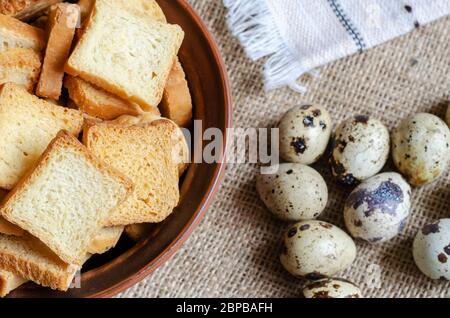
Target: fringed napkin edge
252	22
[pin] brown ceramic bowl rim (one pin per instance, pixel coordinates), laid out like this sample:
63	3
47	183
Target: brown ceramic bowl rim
214	184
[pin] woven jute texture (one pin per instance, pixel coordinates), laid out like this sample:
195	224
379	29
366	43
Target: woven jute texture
234	252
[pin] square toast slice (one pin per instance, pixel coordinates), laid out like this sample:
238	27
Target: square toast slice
144	153
29	258
64	200
127	54
17	34
104	240
62	21
27	125
20	66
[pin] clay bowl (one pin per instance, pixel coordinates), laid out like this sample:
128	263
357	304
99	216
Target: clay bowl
109	274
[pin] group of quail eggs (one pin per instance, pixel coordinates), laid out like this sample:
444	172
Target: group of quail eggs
378	208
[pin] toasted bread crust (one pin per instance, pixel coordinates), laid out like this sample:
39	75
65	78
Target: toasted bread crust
19	61
107	86
8	228
61	28
9	282
24	10
34	272
128	121
176	103
105	240
54	273
85	8
32	35
97	102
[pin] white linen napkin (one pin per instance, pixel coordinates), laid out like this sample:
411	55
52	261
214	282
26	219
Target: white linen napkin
301	35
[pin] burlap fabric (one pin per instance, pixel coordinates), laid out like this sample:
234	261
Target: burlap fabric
234	252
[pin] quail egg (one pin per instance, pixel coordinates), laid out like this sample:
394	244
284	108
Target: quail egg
378	209
360	149
294	193
421	148
304	134
431	250
332	288
316	249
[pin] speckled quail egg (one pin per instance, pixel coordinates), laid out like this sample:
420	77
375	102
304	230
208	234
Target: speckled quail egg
294	193
431	250
447	117
378	209
421	148
360	149
316	249
304	134
332	288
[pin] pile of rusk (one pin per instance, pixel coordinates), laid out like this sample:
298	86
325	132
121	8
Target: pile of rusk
101	72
